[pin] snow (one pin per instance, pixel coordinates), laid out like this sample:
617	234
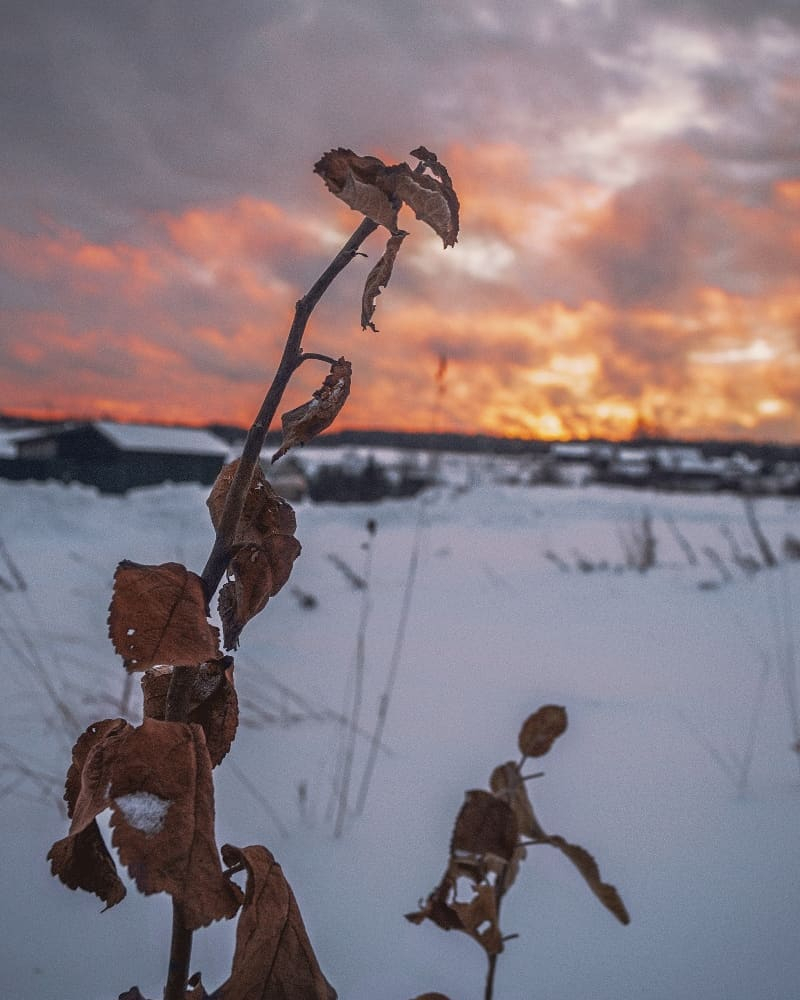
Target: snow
7	446
676	771
144	811
173	440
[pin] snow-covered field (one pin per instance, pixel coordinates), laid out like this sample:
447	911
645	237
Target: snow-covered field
677	771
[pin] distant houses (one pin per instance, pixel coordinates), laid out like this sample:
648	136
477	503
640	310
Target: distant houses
676	467
119	457
113	457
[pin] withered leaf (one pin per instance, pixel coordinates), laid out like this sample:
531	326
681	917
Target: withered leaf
304	422
81	859
265	550
506	782
587	866
196	990
258	572
157	781
540	730
431	996
477	917
158	615
273	959
134	993
432	200
376	190
360	182
485	825
378	278
264	513
162	799
213	705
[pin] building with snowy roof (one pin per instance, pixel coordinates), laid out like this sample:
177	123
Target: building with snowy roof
117	457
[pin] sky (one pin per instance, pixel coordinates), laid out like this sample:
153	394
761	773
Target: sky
629	179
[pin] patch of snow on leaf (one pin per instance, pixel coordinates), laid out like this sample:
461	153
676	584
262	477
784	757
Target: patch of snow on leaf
144	811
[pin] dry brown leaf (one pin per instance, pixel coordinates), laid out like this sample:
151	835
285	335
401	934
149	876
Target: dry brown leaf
274	959
540	730
157	781
485	825
264	550
213	704
378	278
506	782
158	615
438	910
431	996
360	182
587	866
162	798
81	859
304	422
258	573
196	990
134	993
478	917
264	513
432	200
376	190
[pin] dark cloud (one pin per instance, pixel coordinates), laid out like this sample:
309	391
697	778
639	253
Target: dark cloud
645	249
718	13
112	108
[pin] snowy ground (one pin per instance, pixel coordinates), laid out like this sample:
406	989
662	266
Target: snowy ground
677	770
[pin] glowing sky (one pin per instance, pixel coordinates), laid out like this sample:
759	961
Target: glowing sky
629	176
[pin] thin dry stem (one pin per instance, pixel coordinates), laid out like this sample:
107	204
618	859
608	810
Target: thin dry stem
290	359
180	954
500	891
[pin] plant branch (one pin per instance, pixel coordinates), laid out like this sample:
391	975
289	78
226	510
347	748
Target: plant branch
180	955
291	357
177	708
500	891
311	356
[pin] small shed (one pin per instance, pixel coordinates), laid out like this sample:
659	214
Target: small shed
629	466
119	457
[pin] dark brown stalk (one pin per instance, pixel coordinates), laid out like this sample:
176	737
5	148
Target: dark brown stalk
290	359
180	952
761	539
500	891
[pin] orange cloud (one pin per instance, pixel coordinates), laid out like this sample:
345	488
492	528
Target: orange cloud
571	312
61	254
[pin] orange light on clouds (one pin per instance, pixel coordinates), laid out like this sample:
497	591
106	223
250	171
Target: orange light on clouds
187	324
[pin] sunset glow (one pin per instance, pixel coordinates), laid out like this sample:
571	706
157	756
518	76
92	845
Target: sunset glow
622	263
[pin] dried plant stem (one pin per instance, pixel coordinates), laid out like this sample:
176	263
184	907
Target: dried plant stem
789	671
761	539
405	609
397	651
180	685
180	952
500	891
358	694
292	356
180	955
682	540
